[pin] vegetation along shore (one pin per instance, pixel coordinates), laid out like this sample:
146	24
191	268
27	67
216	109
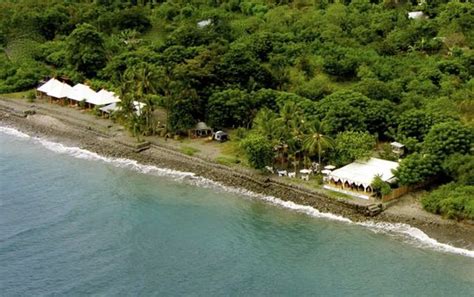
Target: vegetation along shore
98	135
359	108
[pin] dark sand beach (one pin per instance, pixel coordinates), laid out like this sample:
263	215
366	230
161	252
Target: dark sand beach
76	128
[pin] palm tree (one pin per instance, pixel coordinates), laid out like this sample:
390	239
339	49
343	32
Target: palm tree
265	123
140	81
316	141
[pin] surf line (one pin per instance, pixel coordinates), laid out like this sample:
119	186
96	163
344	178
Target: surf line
412	235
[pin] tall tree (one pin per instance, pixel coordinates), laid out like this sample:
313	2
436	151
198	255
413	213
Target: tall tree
315	142
85	50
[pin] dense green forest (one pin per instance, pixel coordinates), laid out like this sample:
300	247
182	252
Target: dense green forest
326	80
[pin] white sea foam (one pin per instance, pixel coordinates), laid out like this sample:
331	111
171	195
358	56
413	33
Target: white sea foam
411	234
415	236
13	132
79	153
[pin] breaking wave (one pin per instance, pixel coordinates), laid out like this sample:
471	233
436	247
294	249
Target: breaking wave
410	234
13	132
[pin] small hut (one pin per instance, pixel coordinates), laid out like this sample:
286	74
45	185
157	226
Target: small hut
397	148
201	130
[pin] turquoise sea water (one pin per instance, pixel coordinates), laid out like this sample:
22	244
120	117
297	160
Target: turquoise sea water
73	223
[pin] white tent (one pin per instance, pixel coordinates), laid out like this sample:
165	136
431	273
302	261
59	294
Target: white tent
107	97
363	173
81	92
110	108
59	90
47	86
137	106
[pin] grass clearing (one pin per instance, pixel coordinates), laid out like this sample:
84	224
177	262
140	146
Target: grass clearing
18	95
188	150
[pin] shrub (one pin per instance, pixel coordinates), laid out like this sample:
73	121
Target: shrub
258	151
380	187
452	200
31	96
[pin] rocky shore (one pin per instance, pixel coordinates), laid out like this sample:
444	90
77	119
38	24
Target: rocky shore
35	120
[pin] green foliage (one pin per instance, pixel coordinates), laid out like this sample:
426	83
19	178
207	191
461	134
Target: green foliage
380	187
387	153
417	168
85	50
31	96
133	18
230	108
280	68
448	138
460	168
352	111
350	146
188	150
452	200
258	150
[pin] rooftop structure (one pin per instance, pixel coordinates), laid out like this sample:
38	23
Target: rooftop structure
356	178
417	15
47	86
81	92
58	90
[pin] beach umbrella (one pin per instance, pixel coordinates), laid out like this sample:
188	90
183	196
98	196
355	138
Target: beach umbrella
326	171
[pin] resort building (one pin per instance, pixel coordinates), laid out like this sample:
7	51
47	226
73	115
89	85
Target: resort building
356	178
59	91
55	89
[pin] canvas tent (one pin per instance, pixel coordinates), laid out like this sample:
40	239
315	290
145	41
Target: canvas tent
358	176
59	90
109	108
107	97
47	86
81	92
137	106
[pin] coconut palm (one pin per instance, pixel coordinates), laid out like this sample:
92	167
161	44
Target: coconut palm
315	142
140	81
266	124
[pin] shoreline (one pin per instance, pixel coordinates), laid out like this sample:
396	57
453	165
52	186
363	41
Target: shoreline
46	124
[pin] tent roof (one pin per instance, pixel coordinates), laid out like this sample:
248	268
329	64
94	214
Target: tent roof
81	92
397	144
109	108
107	97
46	87
59	90
363	173
202	126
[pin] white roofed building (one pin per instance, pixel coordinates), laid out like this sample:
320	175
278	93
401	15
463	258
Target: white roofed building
81	92
47	86
107	97
356	178
58	90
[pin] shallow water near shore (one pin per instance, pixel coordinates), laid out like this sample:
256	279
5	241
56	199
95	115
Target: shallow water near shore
93	225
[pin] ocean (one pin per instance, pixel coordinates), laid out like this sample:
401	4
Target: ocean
73	223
